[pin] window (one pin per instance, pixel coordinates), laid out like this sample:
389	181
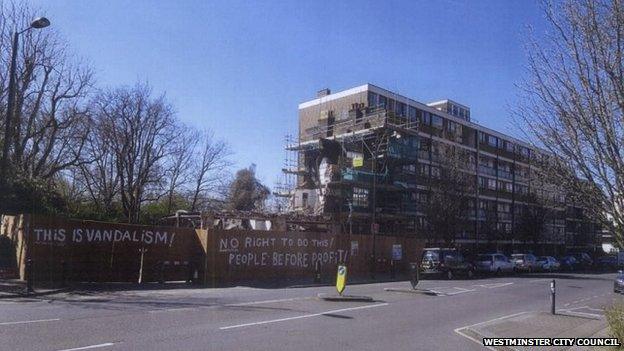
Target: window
411	169
492	141
491	184
482	183
509	146
482	137
453	127
436	121
421	197
424	169
521	189
372	99
435	172
509	187
462	113
413	117
382	101
523	151
390	105
401	109
426	118
360	197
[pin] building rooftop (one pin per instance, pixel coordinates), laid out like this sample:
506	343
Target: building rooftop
414	103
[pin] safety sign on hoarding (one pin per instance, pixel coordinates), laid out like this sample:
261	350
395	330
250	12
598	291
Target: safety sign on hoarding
341	279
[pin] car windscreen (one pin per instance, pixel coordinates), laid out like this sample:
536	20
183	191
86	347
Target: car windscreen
482	258
432	255
517	256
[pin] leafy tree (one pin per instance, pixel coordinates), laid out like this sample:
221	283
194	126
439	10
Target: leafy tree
246	192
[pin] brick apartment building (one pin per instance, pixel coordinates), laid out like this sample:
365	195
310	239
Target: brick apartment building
366	158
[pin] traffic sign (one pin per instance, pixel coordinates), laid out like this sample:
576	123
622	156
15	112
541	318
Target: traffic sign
341	279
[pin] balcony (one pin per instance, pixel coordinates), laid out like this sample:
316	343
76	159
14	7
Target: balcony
487	170
505	175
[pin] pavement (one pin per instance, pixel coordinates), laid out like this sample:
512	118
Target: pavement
252	318
14	288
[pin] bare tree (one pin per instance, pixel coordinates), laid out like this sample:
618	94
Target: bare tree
178	171
49	129
451	192
140	130
210	168
574	104
99	178
531	222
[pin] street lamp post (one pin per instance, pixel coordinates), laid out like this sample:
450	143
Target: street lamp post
38	23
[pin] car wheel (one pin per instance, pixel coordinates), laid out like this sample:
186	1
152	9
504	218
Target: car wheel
498	271
449	275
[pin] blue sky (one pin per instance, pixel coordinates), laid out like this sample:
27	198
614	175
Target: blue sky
241	68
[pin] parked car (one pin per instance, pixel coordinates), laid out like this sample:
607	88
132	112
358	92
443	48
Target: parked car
548	263
525	262
607	263
569	263
584	260
494	263
447	262
618	284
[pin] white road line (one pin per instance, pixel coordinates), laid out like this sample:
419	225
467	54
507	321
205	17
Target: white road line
266	301
594	309
108	344
303	316
459	330
582	314
494	285
34	321
227	305
461	291
174	309
473	339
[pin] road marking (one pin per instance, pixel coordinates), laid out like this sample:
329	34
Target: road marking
108	344
574	312
480	342
34	321
461	291
494	285
475	340
227	305
174	309
582	314
594	309
538	280
304	316
266	301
